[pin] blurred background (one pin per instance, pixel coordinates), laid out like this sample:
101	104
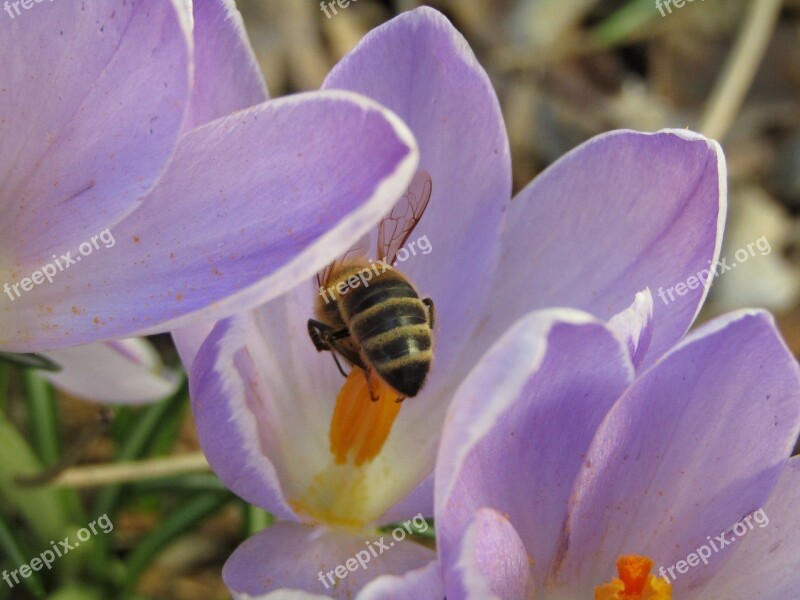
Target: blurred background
564	70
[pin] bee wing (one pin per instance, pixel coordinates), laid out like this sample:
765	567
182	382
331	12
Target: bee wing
394	229
357	250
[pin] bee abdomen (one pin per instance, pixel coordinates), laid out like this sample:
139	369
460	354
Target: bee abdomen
386	316
391	325
397	343
401	356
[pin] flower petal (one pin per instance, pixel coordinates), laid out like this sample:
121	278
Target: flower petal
422	68
519	427
621	213
227	77
222	403
424	582
634	325
492	562
288	556
764	562
92	97
188	341
116	372
694	445
252	204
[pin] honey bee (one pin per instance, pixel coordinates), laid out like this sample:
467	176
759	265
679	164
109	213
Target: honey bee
375	318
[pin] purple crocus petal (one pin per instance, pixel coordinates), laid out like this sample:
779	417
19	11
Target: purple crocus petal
298	557
694	445
223	404
623	212
763	563
292	181
492	562
421	67
77	78
227	77
425	582
519	427
116	372
418	501
635	326
188	341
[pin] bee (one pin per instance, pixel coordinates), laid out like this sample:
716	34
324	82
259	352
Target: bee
379	323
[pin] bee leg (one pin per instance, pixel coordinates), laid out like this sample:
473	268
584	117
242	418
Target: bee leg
369	385
338	364
431	311
323	337
321	334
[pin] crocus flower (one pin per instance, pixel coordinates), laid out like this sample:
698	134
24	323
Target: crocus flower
128	371
140	193
561	474
624	212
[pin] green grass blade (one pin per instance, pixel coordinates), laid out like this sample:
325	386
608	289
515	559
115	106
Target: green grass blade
44	416
18	554
41	507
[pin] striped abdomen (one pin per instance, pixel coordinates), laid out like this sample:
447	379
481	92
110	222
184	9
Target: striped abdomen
392	327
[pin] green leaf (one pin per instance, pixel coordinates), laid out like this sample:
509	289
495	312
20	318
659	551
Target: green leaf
44	416
624	23
33	361
255	519
18	553
41	507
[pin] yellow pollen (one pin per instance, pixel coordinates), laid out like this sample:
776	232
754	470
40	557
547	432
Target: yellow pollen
635	582
361	425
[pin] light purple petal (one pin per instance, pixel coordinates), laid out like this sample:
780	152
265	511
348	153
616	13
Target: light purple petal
695	444
297	557
763	563
492	562
188	341
252	204
92	97
229	433
422	68
520	425
424	582
623	212
227	77
117	372
418	501
635	326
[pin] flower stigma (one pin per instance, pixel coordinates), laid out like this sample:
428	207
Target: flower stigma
361	425
635	582
340	494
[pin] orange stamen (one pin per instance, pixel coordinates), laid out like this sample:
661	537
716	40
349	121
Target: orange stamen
360	425
635	582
